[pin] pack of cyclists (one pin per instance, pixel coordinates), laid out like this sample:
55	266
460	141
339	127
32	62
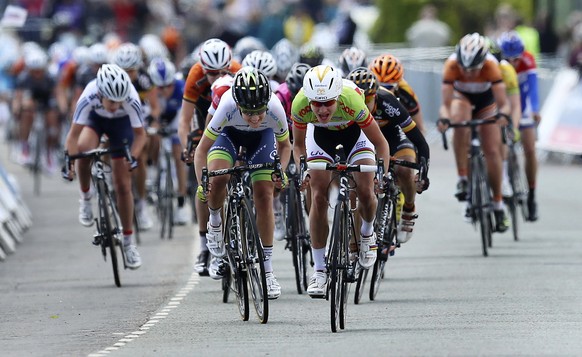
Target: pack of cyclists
291	101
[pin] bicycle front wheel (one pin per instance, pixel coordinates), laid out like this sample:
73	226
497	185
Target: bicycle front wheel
254	260
338	261
298	235
480	192
387	242
106	212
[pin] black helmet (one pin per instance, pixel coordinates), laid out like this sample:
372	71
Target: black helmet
365	79
251	89
295	76
311	54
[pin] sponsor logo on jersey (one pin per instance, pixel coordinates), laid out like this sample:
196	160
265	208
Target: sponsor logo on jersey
347	109
390	110
305	110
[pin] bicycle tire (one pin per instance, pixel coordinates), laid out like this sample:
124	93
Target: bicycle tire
336	265
297	231
170	194
360	285
235	278
105	215
386	243
517	185
345	287
478	182
37	160
254	260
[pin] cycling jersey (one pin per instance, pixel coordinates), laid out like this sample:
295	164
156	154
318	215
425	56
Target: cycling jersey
351	109
170	107
407	97
526	69
118	125
229	115
219	87
39	89
285	96
509	76
488	75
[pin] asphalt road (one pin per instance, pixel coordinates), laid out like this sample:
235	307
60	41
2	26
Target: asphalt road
442	297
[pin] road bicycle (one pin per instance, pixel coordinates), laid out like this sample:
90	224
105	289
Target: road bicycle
481	207
390	202
342	270
109	230
164	185
297	237
38	147
245	270
517	202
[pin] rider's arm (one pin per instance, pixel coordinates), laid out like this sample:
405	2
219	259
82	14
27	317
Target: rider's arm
184	122
447	97
500	95
373	133
200	156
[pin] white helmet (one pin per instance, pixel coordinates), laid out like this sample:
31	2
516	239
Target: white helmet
215	55
286	54
162	71
322	83
127	56
246	45
113	82
98	53
352	58
471	51
36	59
261	60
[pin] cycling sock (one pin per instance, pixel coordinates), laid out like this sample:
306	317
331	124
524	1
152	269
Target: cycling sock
180	201
139	204
127	237
498	205
203	246
215	218
531	194
319	259
268	250
86	194
367	228
277	206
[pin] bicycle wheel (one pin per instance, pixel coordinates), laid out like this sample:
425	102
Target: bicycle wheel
253	260
298	236
360	285
337	264
36	166
235	278
107	230
386	243
478	190
516	180
170	196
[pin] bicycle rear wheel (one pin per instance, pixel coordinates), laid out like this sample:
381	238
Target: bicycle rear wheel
106	212
254	260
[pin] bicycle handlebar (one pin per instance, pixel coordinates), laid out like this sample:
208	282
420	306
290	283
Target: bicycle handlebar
473	123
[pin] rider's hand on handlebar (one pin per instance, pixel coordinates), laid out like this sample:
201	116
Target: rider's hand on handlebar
443	124
67	171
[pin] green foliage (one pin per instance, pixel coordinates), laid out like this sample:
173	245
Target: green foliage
463	16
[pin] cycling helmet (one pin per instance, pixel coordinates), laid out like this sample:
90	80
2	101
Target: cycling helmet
246	45
322	83
387	69
128	56
471	51
251	89
311	54
99	53
162	72
285	54
215	55
295	77
352	58
365	79
36	59
261	60
511	44
113	82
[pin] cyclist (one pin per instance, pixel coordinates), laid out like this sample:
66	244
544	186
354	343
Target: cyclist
170	91
473	88
215	60
128	56
404	139
509	76
524	62
390	74
248	115
333	106
109	105
34	92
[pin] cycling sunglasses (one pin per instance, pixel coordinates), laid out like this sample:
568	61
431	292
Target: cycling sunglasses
327	103
251	112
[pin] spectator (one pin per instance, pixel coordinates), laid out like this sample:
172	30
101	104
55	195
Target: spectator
299	26
428	31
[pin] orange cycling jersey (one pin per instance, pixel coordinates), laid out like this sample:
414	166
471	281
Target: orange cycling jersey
67	74
488	75
197	84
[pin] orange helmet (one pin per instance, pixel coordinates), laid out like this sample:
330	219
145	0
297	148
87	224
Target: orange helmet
387	69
